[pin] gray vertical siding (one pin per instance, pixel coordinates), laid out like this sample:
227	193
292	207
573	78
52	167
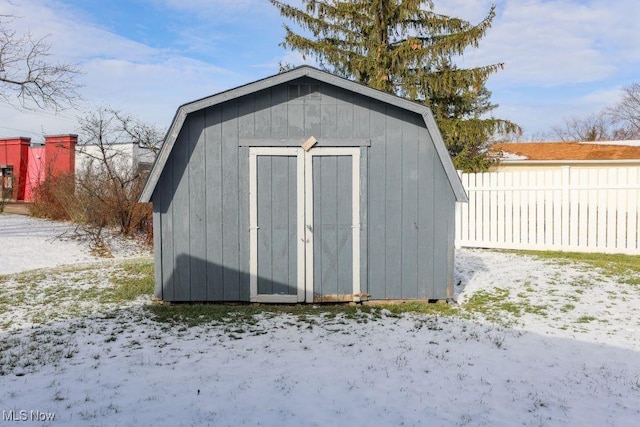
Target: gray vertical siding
443	255
409	214
393	204
157	249
230	198
329	114
344	114
279	109
262	114
182	270
197	209
213	203
243	221
312	119
426	223
247	118
165	193
377	225
201	202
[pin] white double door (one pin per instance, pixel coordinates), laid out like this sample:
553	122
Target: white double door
304	218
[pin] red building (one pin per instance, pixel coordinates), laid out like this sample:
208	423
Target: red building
24	166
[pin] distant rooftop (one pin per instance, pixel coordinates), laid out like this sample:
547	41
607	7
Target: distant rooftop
599	150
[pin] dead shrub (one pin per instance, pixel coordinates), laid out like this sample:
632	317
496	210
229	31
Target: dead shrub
54	199
104	193
110	198
96	201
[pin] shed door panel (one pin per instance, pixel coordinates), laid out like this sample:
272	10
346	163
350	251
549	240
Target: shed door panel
332	228
276	221
277	225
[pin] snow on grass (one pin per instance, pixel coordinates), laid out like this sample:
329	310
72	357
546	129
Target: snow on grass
551	297
534	342
121	367
28	243
37	297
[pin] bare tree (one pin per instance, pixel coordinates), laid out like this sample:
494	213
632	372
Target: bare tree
617	123
112	178
104	192
593	127
29	75
626	113
144	134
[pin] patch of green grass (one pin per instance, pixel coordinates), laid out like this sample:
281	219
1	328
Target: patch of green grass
40	347
440	308
581	283
131	280
483	300
197	314
528	286
68	292
626	268
493	305
540	310
496	306
245	314
585	319
30	277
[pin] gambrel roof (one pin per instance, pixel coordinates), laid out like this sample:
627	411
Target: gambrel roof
296	73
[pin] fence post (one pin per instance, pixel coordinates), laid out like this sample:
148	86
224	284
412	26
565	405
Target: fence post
566	183
458	223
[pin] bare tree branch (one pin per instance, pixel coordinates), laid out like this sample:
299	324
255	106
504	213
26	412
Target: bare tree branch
28	74
594	127
111	179
145	135
626	113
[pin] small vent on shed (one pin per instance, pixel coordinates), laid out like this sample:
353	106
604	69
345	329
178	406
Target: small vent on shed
306	90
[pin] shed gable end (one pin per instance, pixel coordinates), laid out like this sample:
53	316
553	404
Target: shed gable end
201	186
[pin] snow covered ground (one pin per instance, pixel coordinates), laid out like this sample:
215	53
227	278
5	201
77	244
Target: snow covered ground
28	243
568	355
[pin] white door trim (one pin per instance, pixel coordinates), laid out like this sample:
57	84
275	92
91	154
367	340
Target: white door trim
254	152
304	214
354	152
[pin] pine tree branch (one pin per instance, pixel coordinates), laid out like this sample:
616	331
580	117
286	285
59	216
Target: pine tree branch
404	47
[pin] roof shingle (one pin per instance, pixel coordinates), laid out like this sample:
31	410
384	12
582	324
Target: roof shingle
568	150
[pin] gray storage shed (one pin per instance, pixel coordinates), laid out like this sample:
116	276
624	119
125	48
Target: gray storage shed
303	187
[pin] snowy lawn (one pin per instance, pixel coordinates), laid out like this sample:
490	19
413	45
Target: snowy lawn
28	243
534	341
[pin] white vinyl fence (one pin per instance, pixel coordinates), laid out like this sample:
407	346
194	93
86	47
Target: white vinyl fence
578	209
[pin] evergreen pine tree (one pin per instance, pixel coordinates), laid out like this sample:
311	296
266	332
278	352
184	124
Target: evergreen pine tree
403	47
